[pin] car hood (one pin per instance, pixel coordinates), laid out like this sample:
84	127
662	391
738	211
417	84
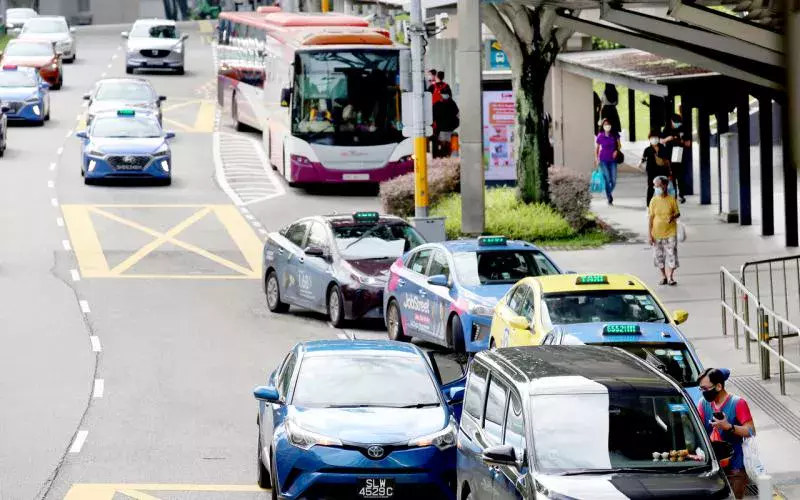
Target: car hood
99	106
17	93
36	62
153	43
377	268
635	486
111	145
50	37
371	425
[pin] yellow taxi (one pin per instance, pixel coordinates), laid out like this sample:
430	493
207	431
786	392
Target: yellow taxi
528	311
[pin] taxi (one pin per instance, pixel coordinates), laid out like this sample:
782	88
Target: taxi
25	93
532	308
126	144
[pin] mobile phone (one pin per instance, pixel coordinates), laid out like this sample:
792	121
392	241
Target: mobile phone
719	415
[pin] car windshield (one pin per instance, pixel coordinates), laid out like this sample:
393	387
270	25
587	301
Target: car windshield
673	359
40	25
19	14
154	31
17	79
375	241
500	266
123	91
627	429
126	127
602	306
29	50
351	380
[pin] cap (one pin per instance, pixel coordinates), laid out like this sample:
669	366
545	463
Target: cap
725	373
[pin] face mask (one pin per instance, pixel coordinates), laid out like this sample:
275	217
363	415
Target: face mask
445	97
659	191
607	128
676	124
654	140
711	394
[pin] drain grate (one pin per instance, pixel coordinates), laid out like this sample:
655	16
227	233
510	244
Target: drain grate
755	393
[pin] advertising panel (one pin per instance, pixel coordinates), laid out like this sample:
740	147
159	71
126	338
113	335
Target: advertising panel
499	120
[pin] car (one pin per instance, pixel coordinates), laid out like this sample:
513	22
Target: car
38	54
335	264
581	423
25	94
445	292
55	30
357	419
534	306
16	17
125	145
111	94
155	44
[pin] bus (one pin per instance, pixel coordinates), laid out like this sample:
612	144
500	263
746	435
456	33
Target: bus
324	90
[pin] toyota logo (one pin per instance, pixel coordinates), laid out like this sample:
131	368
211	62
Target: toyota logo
375	451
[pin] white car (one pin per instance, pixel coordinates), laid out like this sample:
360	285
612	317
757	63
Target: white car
54	29
155	44
15	18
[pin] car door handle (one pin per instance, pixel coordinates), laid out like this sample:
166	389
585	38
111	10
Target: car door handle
401	282
280	251
301	259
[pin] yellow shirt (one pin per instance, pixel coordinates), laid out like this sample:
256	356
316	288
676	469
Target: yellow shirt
662	209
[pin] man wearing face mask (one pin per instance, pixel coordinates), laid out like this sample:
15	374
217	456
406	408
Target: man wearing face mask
655	162
675	139
726	418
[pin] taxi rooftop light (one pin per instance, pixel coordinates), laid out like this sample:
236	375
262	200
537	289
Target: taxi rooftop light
492	241
366	216
622	330
592	279
126	112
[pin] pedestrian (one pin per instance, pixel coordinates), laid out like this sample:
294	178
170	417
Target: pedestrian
663	228
598	105
605	156
439	85
445	119
431	78
726	418
608	109
675	139
655	162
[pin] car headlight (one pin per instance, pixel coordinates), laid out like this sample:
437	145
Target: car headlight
94	152
443	439
481	310
162	151
367	280
54	66
305	439
34	99
179	48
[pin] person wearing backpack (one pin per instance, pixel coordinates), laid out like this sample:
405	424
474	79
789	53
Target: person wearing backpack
726	418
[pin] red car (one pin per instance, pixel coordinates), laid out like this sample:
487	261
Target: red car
37	54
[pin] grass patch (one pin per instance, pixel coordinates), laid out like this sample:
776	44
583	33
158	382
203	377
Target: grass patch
4	41
505	215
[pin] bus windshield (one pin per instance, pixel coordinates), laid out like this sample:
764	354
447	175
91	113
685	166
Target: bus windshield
347	97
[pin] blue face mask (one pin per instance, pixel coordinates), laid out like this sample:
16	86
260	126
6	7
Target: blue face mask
659	191
676	124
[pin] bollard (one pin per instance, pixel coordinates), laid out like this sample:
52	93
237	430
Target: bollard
764	487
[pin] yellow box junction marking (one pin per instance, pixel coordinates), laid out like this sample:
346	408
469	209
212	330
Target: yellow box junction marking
203	122
205	26
141	491
92	260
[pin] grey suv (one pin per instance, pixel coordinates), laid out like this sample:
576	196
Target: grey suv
155	44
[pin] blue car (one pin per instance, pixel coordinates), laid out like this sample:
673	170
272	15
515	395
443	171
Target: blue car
445	293
126	144
661	345
25	94
357	419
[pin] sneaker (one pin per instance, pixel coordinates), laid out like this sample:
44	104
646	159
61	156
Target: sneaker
663	281
673	283
683	200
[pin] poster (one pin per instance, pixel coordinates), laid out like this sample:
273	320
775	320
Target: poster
497	58
499	120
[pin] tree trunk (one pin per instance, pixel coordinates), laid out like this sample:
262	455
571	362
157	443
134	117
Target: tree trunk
532	137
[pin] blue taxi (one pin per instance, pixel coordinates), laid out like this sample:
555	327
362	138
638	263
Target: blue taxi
660	344
126	144
445	293
25	94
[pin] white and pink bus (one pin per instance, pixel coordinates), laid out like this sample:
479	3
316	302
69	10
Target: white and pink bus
324	89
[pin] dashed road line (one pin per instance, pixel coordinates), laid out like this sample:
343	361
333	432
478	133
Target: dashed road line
51	184
76	276
99	388
114	56
85	307
103	75
52	166
54	202
60	151
69	134
95	340
66	245
80	439
59	222
242	169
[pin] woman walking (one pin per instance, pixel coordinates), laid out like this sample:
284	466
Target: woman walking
664	213
605	156
655	163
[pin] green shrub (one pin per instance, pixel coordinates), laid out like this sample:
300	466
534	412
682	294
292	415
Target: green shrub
397	195
570	195
507	216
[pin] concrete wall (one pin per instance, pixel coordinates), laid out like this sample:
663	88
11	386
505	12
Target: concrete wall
571	101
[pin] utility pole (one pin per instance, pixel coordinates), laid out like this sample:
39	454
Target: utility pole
417	32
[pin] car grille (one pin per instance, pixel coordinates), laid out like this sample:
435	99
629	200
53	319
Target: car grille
128	162
14	107
154	52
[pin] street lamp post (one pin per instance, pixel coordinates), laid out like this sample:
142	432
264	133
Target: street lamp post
416	32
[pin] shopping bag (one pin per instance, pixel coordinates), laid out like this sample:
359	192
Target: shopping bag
752	462
598	184
681	232
677	154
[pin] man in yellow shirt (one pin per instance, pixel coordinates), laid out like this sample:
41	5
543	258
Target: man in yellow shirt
664	213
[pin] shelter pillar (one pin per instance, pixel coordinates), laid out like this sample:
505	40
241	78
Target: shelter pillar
791	120
688	153
704	139
765	147
631	115
743	130
656	112
723	127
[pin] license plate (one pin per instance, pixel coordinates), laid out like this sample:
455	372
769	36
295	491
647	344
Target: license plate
355	177
376	488
128	167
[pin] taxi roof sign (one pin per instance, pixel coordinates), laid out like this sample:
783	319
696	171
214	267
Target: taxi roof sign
622	329
126	112
366	216
592	279
492	241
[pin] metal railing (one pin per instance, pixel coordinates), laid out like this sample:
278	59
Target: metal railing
759	323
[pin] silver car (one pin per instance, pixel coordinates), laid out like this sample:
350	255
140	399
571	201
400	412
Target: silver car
112	94
155	43
15	18
54	29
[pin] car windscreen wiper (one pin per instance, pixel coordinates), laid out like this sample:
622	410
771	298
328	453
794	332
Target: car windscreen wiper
696	468
355	406
366	233
617	470
419	405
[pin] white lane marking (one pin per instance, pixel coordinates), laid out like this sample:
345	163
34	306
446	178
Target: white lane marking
243	170
66	245
54	202
103	75
60	221
80	438
263	231
52	166
51	184
342	336
85	307
257	224
114	56
95	340
60	151
249	217
79	116
76	276
119	47
99	388
109	65
244	210
69	134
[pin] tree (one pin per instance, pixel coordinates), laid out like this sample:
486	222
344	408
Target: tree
531	41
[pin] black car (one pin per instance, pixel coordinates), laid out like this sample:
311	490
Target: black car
336	264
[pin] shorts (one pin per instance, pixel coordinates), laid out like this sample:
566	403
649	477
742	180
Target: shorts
738	480
666	252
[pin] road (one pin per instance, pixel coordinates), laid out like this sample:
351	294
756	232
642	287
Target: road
135	326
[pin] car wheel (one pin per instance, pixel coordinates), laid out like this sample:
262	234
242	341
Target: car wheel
180	70
456	334
273	291
47	116
335	307
263	474
492	344
59	83
88	181
129	70
394	323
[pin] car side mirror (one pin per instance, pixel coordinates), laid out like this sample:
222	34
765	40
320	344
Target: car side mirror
314	252
454	395
439	280
722	449
5	109
124	34
86	97
268	394
169	134
72	30
162	98
499	455
519	323
286	95
82	135
570	272
185	36
680	316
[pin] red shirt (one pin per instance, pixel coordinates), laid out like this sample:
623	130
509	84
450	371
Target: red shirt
743	414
